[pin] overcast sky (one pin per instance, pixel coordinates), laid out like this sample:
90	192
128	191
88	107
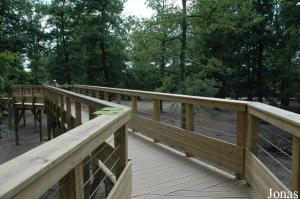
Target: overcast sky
139	9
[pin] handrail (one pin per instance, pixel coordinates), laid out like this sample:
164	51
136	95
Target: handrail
240	157
238	105
289	121
33	173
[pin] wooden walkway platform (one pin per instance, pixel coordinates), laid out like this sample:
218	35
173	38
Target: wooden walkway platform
162	173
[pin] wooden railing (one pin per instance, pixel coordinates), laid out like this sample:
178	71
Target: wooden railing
240	157
79	159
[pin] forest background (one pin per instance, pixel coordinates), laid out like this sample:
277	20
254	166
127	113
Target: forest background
220	48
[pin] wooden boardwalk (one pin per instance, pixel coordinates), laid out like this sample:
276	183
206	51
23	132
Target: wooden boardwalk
160	172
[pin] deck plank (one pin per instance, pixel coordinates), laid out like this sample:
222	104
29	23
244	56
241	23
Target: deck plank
163	173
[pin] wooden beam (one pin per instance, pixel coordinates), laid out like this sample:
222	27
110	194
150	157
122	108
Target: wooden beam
68	113
97	94
237	105
16	126
77	113
91	112
106	96
253	130
189	120
156	113
123	187
79	190
296	164
120	138
119	98
134	104
190	117
241	130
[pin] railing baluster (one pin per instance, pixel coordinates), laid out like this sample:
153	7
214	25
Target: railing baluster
296	164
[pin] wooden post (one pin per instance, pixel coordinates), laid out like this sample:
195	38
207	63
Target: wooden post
119	98
62	111
67	184
40	117
296	164
134	104
241	129
106	96
189	120
156	113
68	112
253	130
120	139
90	93
79	191
10	112
91	111
97	94
77	113
16	126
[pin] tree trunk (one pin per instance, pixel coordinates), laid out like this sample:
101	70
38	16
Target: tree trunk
183	41
285	84
259	88
103	47
183	57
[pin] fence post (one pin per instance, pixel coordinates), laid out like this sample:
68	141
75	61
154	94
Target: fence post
156	112
134	104
77	113
62	112
296	164
119	98
189	121
97	94
120	138
79	191
106	96
241	129
253	129
68	112
91	111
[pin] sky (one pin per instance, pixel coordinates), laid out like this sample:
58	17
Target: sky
139	9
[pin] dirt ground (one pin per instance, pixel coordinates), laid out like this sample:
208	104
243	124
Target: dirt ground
274	144
29	139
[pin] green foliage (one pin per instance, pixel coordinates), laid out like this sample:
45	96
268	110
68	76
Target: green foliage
233	48
195	85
